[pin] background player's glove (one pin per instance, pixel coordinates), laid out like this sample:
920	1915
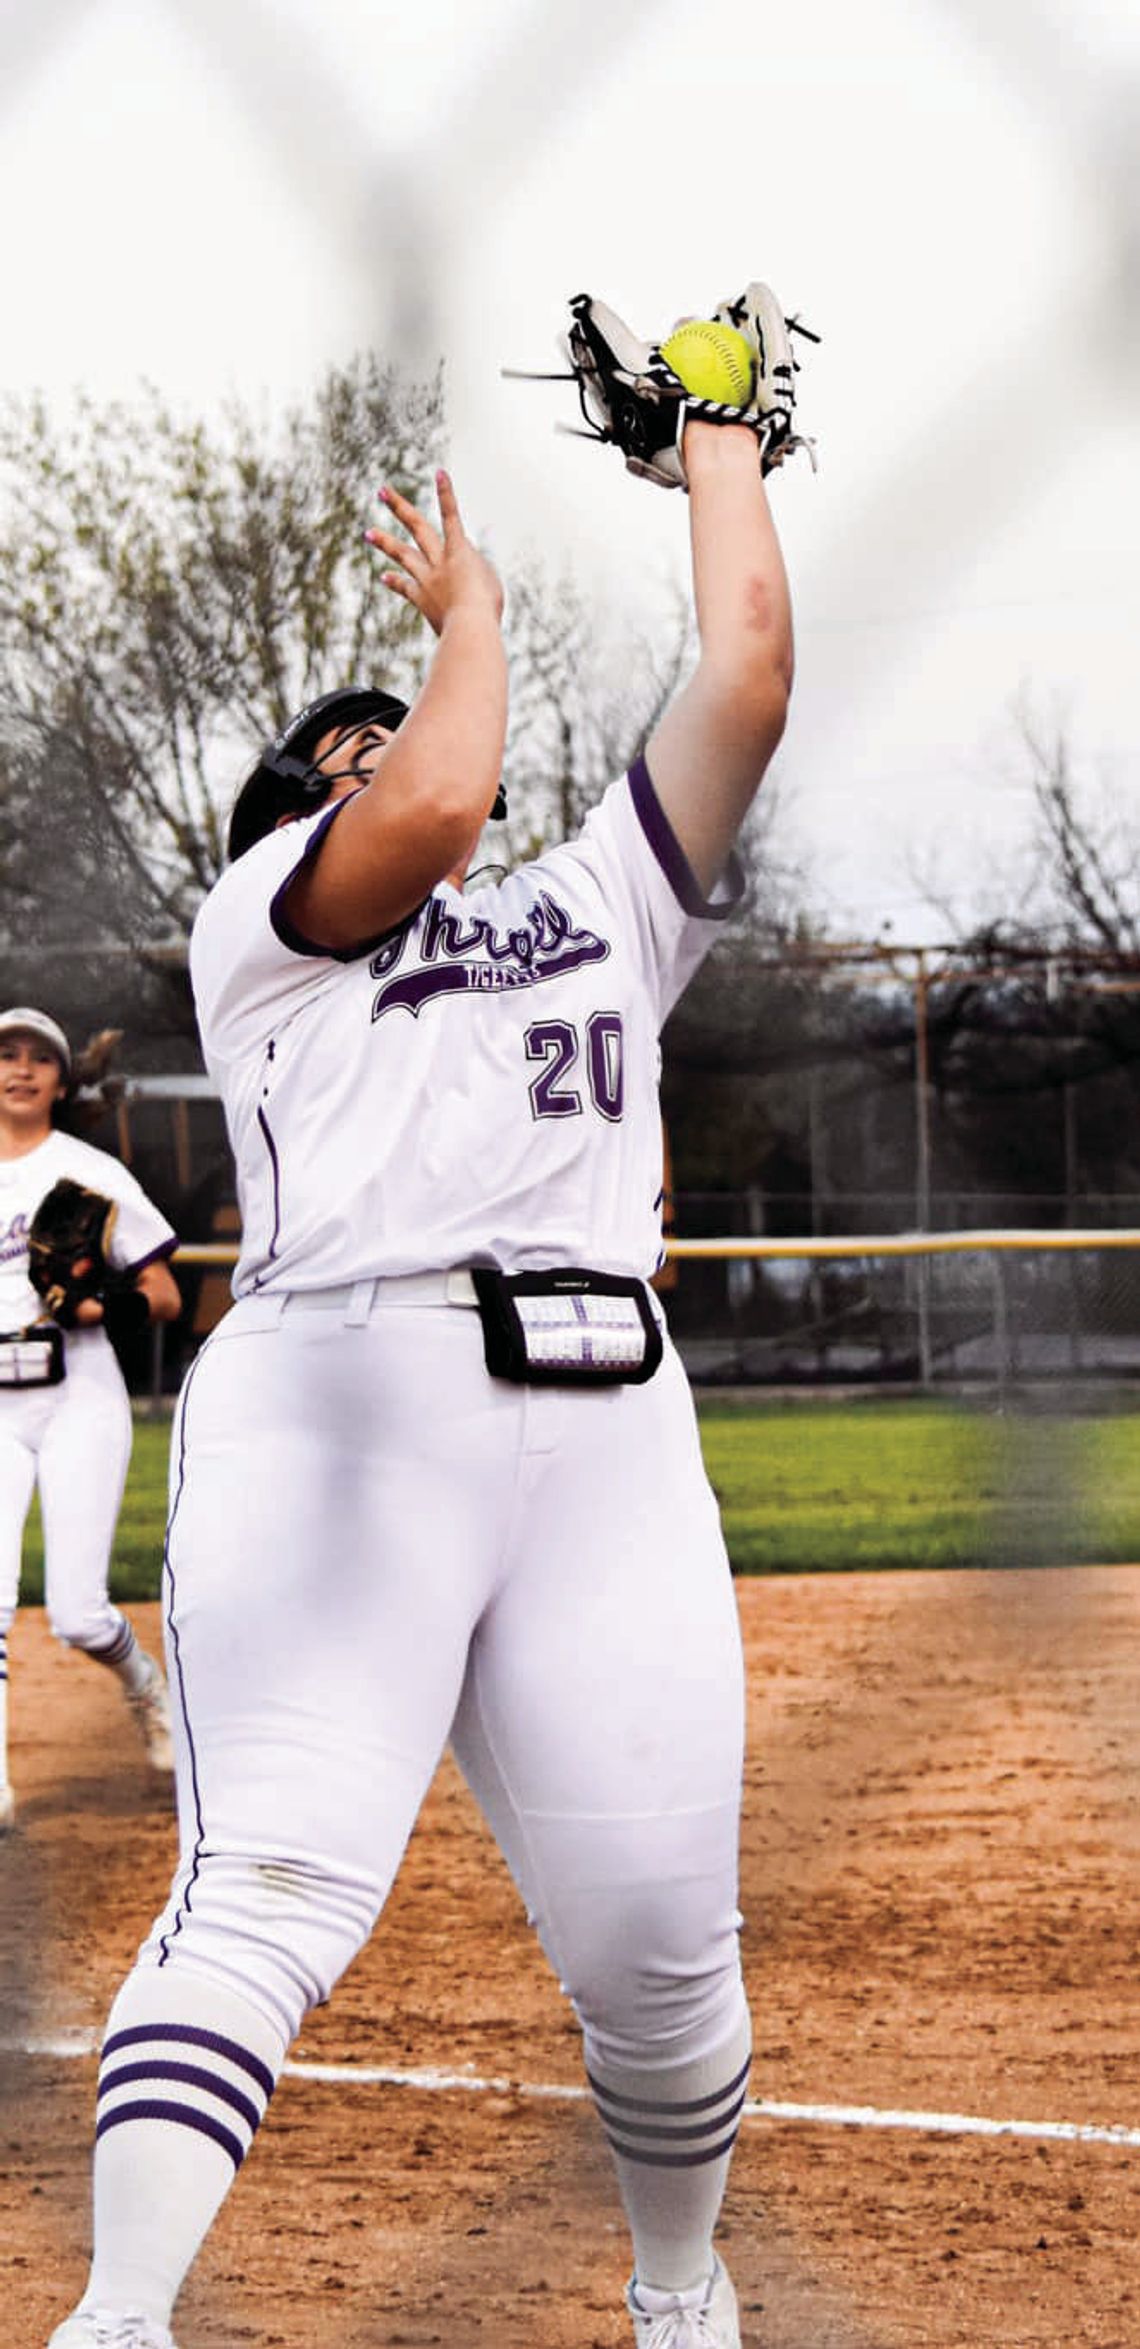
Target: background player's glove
634	395
68	1240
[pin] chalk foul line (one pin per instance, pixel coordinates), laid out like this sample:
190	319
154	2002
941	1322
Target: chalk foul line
431	2081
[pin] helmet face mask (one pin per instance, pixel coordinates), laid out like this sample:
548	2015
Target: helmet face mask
285	782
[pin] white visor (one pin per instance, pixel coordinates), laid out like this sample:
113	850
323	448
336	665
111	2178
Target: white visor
23	1020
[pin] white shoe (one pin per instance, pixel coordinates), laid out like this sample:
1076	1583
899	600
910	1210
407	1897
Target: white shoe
99	2328
704	2319
7	1809
151	1708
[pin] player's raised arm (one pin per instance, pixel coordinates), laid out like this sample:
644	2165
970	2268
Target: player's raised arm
711	409
709	753
428	788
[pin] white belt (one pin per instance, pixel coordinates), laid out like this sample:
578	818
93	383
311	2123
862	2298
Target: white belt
356	1300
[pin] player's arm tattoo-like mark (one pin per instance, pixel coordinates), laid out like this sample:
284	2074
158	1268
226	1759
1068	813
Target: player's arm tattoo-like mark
557	1044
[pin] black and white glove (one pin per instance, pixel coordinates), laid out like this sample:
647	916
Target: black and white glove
640	396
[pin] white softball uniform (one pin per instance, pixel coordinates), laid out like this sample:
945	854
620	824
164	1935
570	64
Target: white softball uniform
373	1544
74	1438
479	1086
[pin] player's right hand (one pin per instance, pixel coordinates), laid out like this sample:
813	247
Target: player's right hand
439	570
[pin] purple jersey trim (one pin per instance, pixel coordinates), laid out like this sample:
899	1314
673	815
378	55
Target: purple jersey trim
153	1256
295	939
275	1167
178	1681
671	856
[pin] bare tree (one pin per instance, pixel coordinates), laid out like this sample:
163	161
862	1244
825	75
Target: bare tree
1089	852
1075	888
586	690
169	593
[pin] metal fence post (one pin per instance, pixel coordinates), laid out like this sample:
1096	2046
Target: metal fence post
157	1359
922	1185
1001	1325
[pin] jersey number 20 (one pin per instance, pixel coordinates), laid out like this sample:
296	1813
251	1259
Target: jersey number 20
558	1045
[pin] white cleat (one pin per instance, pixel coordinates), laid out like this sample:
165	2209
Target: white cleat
151	1709
99	2328
704	2319
7	1809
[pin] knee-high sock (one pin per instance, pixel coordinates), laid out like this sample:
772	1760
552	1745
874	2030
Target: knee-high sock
671	2131
186	2072
125	1658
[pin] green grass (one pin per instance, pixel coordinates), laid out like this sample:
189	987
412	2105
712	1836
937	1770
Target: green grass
812	1486
137	1562
888	1482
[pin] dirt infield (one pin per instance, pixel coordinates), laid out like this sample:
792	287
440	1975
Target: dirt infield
942	1917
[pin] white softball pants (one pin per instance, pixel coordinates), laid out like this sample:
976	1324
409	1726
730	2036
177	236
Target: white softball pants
75	1441
374	1547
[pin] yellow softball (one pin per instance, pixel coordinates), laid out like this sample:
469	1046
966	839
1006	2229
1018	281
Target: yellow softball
713	361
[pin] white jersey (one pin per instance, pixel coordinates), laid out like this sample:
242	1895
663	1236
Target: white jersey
478	1086
139	1233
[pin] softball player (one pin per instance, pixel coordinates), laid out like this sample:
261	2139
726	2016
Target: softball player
69	1433
437	1472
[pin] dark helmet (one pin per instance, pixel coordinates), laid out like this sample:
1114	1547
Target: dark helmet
285	782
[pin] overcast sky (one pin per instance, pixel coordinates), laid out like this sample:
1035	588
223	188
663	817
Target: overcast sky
225	197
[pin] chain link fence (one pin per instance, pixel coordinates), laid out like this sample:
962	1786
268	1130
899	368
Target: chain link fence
996	1309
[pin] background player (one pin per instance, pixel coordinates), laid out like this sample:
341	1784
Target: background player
374	1542
72	1438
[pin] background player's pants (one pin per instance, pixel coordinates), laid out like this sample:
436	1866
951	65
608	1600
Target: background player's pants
372	1546
75	1440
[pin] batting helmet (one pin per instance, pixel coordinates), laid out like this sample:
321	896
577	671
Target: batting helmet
285	782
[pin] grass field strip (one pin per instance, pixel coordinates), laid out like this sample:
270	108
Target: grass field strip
429	2081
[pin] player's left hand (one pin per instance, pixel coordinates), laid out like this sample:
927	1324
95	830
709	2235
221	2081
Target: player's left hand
439	569
632	395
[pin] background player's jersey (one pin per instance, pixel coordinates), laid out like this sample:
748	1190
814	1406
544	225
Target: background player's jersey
478	1086
138	1235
